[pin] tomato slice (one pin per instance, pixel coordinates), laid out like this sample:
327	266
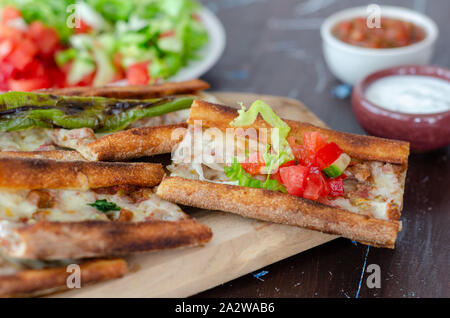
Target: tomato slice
137	74
293	177
327	155
254	164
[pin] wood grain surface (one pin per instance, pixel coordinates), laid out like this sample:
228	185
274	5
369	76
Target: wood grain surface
274	47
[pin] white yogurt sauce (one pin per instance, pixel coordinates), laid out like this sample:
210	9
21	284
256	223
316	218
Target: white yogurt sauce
413	94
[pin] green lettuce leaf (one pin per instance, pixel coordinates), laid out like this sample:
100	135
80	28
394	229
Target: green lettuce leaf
235	172
278	136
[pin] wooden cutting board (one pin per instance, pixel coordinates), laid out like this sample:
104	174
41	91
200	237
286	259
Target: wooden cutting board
239	245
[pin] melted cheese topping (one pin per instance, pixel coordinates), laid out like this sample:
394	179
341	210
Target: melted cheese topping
25	140
10	266
71	206
382	195
203	156
179	116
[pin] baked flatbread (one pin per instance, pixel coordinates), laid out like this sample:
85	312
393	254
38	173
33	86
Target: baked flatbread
36	278
369	211
137	91
51	209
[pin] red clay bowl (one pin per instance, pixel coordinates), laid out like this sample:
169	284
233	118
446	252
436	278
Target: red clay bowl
423	131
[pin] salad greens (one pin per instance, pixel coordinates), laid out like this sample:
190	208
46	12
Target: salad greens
20	110
52	13
281	151
165	33
235	172
275	155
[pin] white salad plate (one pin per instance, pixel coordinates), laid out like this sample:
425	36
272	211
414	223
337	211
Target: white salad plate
210	53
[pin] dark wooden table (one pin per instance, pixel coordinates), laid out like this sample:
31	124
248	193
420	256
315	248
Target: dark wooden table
274	47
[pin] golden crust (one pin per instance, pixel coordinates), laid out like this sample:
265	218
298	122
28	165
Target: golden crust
136	91
68	155
281	208
36	282
28	173
61	240
357	146
135	143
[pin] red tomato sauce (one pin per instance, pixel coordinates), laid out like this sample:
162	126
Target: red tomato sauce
393	33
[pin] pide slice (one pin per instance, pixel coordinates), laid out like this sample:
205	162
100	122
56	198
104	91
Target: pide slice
51	210
328	181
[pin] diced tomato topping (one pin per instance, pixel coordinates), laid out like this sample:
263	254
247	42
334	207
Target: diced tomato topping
23	54
86	80
137	74
336	187
313	141
313	187
10	13
46	38
6	47
298	151
83	27
325	190
306	178
6	72
293	177
254	164
327	155
27	56
277	175
28	85
34	69
316	182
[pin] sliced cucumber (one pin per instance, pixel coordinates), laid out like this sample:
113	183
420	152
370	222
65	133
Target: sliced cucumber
80	68
105	70
338	166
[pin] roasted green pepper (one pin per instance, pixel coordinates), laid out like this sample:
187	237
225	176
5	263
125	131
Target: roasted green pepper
20	110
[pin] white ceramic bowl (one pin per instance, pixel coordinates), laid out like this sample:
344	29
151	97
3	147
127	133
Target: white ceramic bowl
351	63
